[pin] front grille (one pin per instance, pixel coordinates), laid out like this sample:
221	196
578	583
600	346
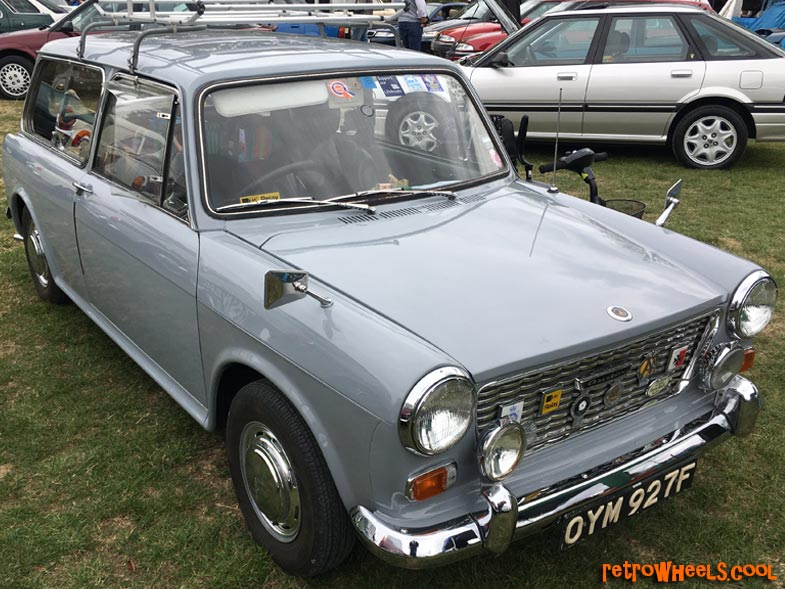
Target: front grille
596	374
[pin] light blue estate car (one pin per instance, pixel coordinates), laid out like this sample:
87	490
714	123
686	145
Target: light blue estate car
323	248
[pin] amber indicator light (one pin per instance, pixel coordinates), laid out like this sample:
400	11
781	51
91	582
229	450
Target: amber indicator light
431	484
749	360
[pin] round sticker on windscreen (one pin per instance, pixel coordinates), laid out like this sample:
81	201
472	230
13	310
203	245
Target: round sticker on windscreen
340	89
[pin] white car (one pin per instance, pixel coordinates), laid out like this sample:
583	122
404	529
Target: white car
658	75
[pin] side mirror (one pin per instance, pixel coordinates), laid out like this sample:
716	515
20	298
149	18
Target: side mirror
671	202
286	286
523	129
67	27
499	60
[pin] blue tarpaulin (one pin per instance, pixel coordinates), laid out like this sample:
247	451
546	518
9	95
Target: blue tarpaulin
772	18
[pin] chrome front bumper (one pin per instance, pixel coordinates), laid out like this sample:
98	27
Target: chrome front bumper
506	517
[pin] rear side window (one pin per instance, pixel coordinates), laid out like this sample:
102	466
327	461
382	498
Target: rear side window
644	39
22	6
719	42
64	104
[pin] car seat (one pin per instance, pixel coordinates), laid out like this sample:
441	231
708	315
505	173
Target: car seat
618	44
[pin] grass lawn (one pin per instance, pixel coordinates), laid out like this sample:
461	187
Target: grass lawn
106	482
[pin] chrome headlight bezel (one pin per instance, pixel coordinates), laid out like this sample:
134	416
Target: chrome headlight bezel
741	296
417	400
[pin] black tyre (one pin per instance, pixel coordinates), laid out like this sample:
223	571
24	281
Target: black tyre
284	488
15	72
710	137
36	261
421	121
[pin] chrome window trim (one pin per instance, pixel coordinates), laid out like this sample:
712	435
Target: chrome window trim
740	296
468	89
417	394
27	122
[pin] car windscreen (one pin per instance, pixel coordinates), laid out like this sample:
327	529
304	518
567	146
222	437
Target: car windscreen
340	136
475	11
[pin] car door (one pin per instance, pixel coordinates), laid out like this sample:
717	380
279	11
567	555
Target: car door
543	64
137	245
60	126
24	15
644	71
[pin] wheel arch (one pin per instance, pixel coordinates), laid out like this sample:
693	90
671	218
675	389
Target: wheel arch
725	101
244	367
18	53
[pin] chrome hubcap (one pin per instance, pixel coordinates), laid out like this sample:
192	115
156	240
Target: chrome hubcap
14	79
269	481
35	253
710	140
417	130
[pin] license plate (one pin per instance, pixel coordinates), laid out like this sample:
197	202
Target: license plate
640	496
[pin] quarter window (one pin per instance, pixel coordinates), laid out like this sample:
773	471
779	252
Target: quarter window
556	42
64	107
644	40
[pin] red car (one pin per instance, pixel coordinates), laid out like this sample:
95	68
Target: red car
464	40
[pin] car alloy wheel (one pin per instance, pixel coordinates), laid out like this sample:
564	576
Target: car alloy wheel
270	482
417	129
14	79
710	140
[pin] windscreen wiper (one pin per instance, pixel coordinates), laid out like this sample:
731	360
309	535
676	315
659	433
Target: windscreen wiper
394	192
297	201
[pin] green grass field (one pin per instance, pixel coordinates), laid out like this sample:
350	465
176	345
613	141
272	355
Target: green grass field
106	482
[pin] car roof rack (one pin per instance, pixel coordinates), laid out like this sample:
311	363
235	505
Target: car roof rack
202	13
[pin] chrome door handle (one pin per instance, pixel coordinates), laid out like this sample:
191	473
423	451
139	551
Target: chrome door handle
82	188
681	74
567	76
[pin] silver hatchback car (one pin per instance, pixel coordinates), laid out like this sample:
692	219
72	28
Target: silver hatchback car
658	75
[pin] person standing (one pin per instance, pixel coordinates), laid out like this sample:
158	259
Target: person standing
410	23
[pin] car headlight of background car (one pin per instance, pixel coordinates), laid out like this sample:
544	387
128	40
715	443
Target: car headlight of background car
437	411
445	38
465	47
752	305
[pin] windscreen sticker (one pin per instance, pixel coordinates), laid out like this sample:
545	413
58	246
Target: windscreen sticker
390	86
495	158
346	92
432	83
412	83
261	197
368	82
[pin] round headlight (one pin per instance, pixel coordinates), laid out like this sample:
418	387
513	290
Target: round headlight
437	412
724	363
501	450
752	305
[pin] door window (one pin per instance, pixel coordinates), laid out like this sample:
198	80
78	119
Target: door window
64	106
22	7
556	42
135	151
644	39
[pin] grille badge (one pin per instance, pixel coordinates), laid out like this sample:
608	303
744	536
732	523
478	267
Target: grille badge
613	394
619	313
646	369
579	408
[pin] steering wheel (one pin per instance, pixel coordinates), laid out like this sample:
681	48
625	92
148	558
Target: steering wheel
305	167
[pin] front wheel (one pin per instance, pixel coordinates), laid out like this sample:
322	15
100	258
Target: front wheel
37	263
710	137
15	76
283	485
